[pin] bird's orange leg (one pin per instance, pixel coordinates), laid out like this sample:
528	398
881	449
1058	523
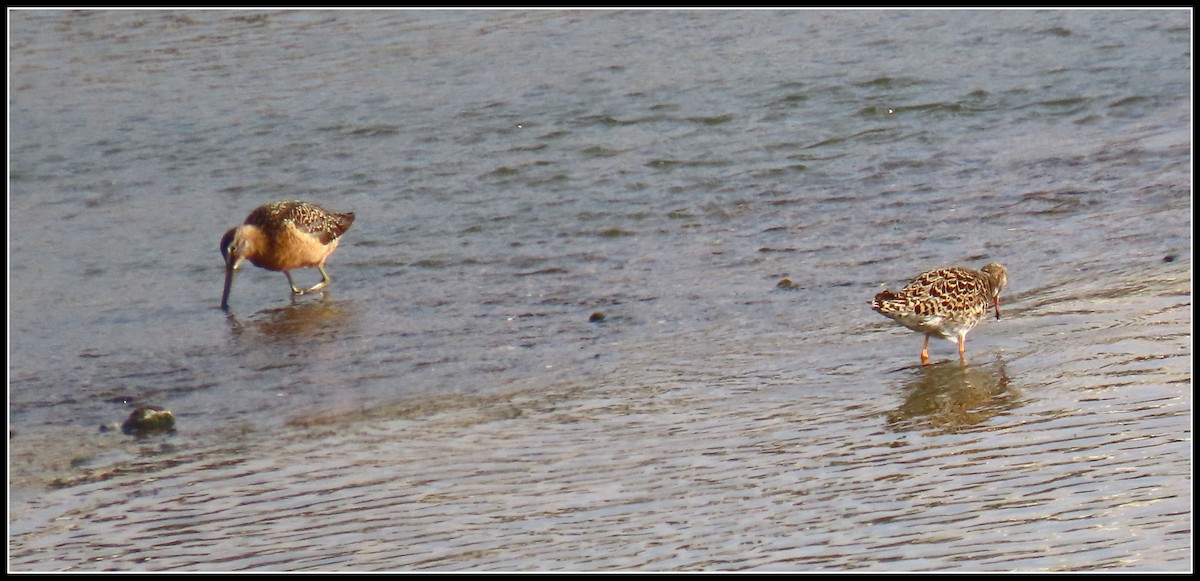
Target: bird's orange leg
925	352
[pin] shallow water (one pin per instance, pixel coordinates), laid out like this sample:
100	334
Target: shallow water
447	404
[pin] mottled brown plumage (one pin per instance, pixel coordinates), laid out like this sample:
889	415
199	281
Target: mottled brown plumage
284	236
946	303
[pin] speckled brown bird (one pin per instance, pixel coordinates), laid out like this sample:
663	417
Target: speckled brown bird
284	236
946	303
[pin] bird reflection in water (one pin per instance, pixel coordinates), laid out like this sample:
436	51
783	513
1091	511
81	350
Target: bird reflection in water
952	398
306	321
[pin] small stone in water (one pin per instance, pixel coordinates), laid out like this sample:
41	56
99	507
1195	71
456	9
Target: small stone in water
149	420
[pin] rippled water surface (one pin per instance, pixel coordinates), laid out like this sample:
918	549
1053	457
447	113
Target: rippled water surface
559	335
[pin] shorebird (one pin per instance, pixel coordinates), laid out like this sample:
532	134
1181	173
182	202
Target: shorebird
284	236
946	303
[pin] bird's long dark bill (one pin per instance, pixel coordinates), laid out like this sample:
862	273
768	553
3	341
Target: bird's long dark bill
997	304
229	270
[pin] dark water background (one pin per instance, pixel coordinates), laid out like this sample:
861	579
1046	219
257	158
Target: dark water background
449	405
